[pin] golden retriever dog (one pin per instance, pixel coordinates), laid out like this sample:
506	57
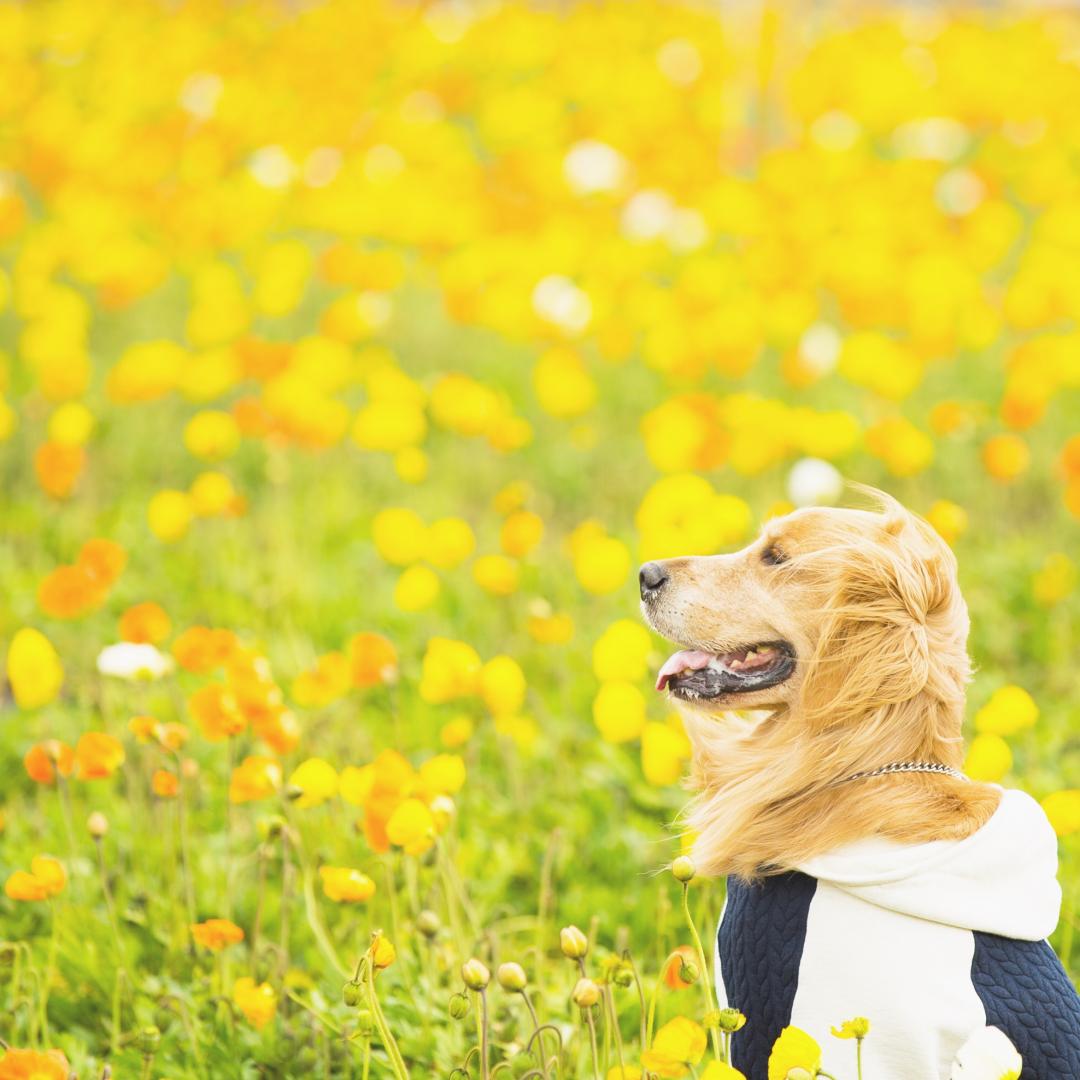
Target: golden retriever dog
822	676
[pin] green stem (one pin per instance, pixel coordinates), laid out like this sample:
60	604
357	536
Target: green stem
615	1028
706	982
641	997
592	1041
536	1027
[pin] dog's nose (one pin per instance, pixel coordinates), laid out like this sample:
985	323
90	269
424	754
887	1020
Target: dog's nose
651	578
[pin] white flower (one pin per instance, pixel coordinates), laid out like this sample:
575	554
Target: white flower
130	661
591	166
813	482
987	1055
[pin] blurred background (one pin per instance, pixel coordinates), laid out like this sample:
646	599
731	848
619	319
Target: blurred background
359	327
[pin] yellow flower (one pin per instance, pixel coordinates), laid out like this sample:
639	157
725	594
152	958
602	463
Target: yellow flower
212	495
1063	810
720	1070
502	685
212	435
450	541
496	574
622	652
450	669
383	953
1009	710
665	749
412	827
988	758
444	774
619	711
457	731
563	385
345	885
33	669
316	780
1055	580
257	1001
949	519
794	1049
399	535
416	589
71	424
601	562
853	1029
678	1044
520	533
169	515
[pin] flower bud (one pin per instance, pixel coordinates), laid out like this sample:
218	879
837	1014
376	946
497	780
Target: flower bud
427	922
511	977
442	810
688	971
365	1021
459	1074
586	993
730	1020
622	976
352	994
148	1040
573	942
683	869
459	1006
474	974
97	824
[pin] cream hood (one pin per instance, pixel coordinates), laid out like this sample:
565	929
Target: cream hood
1001	879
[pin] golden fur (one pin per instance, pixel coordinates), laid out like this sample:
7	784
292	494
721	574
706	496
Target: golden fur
870	601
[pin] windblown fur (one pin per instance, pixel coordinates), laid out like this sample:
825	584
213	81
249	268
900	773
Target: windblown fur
871	602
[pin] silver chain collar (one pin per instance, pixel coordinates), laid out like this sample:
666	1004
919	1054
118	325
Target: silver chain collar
905	767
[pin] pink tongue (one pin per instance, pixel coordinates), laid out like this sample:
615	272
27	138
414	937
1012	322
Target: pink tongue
686	660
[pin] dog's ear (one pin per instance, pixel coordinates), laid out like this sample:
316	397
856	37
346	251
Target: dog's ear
893	625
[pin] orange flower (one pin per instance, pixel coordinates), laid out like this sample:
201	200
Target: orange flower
217	712
173	735
98	755
145	624
323	683
44	760
673	967
102	559
45	878
201	649
68	592
280	731
165	784
32	1065
58	468
144	728
345	885
215	934
254	778
374	660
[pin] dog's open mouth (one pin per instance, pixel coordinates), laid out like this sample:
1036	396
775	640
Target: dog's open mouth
693	674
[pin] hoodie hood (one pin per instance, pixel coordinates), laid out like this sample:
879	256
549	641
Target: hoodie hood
1000	880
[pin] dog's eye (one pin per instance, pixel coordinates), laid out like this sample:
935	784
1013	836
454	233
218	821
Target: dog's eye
773	556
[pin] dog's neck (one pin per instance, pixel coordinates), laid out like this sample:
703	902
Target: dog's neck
771	797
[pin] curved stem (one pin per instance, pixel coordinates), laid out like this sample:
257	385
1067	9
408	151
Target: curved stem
706	982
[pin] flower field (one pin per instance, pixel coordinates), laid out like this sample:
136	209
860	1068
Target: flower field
352	357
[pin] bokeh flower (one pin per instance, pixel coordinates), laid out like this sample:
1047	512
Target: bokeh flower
346	885
257	1001
216	934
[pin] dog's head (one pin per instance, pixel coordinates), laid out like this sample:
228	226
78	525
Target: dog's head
829	612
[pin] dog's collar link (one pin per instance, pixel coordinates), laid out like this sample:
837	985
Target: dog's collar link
905	767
